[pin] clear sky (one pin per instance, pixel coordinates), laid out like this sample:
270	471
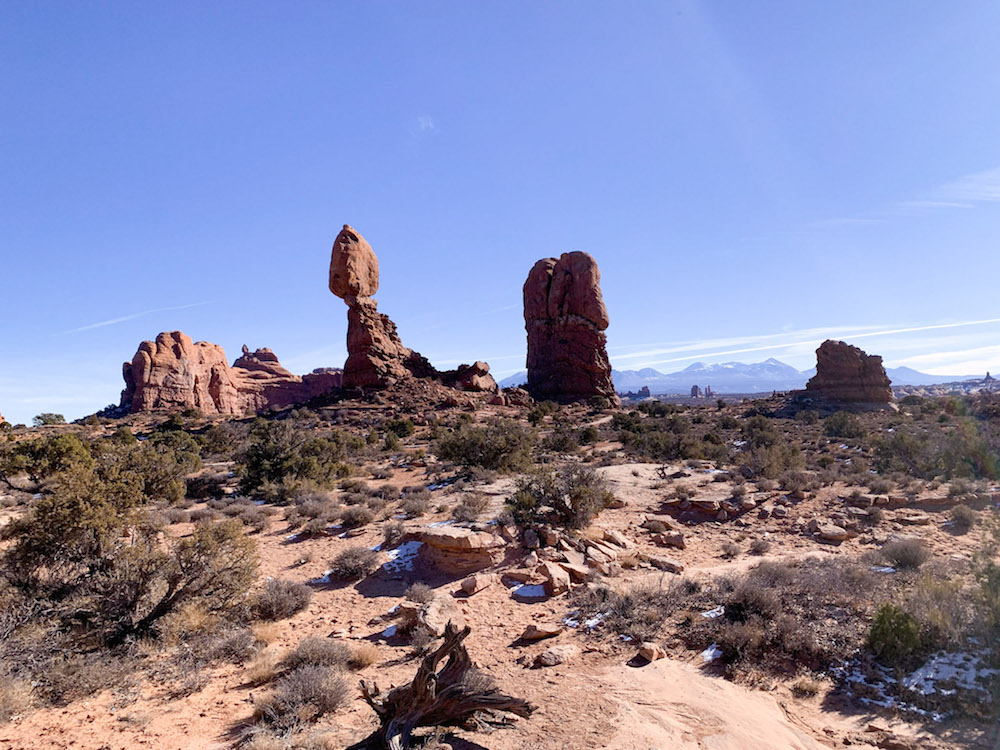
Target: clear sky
751	177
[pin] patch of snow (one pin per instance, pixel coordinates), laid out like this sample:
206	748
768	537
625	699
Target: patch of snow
959	669
325	578
529	591
592	622
883	569
402	557
436	524
711	614
389	632
711	653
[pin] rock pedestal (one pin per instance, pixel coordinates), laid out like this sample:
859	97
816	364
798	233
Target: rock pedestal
565	318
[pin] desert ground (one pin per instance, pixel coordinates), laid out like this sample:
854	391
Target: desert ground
746	555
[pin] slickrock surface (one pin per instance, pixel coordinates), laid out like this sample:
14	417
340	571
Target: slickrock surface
565	317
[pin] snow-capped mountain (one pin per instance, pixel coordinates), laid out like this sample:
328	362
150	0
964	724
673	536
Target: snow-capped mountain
733	377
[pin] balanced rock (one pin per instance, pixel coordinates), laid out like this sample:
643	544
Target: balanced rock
845	374
173	372
565	317
376	356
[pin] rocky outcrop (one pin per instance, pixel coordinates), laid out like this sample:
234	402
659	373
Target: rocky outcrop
845	374
175	372
459	551
376	356
565	317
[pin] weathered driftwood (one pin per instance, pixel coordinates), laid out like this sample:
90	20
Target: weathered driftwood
455	696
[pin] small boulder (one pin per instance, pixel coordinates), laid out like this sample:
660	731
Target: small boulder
477	582
554	655
540	631
832	533
651	651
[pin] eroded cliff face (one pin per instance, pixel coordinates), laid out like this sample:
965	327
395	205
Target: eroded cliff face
565	318
845	374
174	372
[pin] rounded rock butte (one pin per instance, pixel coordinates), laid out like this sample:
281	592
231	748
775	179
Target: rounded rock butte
846	375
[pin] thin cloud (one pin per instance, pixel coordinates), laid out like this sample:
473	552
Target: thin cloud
133	316
981	187
425	124
802	340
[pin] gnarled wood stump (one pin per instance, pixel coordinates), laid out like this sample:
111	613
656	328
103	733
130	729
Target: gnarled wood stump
455	696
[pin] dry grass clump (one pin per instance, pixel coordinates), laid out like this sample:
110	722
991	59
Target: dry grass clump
280	599
471	507
353	564
639	612
759	546
416	502
907	554
355	516
731	550
963	518
304	695
419	592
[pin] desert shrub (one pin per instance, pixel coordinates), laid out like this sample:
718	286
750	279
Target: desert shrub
808	416
588	435
752	598
176	515
401	427
279	451
731	550
562	439
316	651
354	563
759	546
199	515
419	592
502	445
963	518
415	503
471	507
206	485
573	497
806	687
303	696
280	599
880	485
770	461
843	424
392	534
638	612
234	645
542	410
894	636
598	403
908	554
48	418
945	609
355	516
392	442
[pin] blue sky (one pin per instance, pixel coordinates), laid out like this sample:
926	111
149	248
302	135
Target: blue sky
751	177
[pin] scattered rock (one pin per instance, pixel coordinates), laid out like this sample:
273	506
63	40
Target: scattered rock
671	539
662	563
477	582
832	533
651	651
539	631
554	655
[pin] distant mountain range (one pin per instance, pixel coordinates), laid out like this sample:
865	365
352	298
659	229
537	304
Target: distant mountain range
735	377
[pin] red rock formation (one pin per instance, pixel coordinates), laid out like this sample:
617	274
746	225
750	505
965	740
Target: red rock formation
174	372
565	317
845	374
376	356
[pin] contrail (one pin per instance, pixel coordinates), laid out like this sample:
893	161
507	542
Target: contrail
134	316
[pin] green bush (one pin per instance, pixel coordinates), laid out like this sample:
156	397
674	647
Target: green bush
894	636
502	445
571	497
843	424
48	418
401	427
354	563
